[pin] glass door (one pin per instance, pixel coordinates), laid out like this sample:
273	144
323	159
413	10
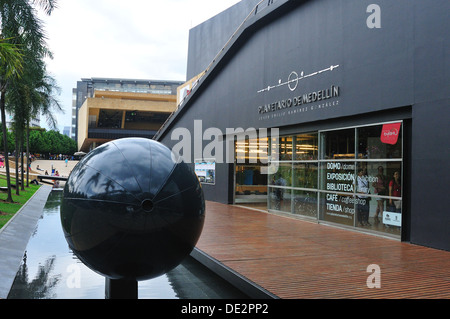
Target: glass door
250	177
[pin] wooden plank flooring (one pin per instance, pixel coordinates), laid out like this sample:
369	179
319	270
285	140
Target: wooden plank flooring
295	259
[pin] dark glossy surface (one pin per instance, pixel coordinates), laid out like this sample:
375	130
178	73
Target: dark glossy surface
50	270
130	212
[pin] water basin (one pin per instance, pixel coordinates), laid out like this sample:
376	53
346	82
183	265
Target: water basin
49	270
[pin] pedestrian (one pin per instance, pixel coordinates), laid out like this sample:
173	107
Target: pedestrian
362	206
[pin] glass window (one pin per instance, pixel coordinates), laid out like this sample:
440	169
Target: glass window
306	147
92	121
251	177
248	174
371	142
392	213
110	119
337	176
348	176
385	195
337	208
305	203
283	176
380	174
283	148
338	144
305	175
252	151
280	199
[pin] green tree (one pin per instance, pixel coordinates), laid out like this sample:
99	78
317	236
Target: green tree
36	141
9	138
43	142
10	66
20	26
31	94
10	58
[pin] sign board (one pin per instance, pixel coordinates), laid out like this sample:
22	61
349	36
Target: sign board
390	133
206	171
393	219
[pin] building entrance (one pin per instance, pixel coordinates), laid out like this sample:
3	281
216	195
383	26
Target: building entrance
251	162
349	176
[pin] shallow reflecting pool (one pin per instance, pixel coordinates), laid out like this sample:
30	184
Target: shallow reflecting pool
50	270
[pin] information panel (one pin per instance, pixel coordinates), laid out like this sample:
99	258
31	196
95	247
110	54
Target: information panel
338	206
206	171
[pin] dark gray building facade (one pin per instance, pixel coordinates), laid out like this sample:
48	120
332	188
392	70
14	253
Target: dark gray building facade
350	103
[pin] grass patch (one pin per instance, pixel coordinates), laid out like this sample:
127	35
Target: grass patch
8	210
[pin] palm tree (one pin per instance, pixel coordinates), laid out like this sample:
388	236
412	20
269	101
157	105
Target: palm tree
31	94
10	65
11	57
19	24
42	101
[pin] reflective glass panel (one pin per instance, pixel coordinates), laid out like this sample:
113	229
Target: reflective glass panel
283	176
380	141
280	199
348	176
337	208
282	149
305	203
337	176
306	146
305	175
338	144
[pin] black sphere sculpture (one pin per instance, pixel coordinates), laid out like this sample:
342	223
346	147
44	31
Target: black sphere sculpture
132	212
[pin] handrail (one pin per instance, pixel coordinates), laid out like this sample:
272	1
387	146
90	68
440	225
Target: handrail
254	11
56	178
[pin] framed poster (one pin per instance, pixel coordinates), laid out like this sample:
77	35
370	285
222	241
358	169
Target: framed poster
206	171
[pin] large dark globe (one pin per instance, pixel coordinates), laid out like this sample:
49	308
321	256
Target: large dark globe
130	211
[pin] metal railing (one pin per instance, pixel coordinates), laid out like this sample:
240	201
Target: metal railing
252	13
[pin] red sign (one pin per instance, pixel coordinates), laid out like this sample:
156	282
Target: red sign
390	133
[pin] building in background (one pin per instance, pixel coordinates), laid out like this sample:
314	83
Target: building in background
350	101
66	131
34	122
73	126
105	109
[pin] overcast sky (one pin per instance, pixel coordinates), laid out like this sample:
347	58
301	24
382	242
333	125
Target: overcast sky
137	39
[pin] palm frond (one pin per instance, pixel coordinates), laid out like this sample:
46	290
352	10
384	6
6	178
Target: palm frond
11	58
47	5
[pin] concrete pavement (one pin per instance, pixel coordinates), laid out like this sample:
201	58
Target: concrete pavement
14	237
38	167
47	165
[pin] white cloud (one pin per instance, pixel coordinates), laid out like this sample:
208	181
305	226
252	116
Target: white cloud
138	39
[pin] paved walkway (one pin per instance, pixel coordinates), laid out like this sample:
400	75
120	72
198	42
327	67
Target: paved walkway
47	165
274	256
14	237
38	167
290	258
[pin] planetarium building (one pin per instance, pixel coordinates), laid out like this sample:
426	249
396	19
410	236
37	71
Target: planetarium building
331	111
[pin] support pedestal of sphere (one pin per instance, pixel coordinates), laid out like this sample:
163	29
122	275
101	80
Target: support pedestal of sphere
121	289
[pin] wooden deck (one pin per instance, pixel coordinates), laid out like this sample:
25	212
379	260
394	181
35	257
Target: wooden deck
295	259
